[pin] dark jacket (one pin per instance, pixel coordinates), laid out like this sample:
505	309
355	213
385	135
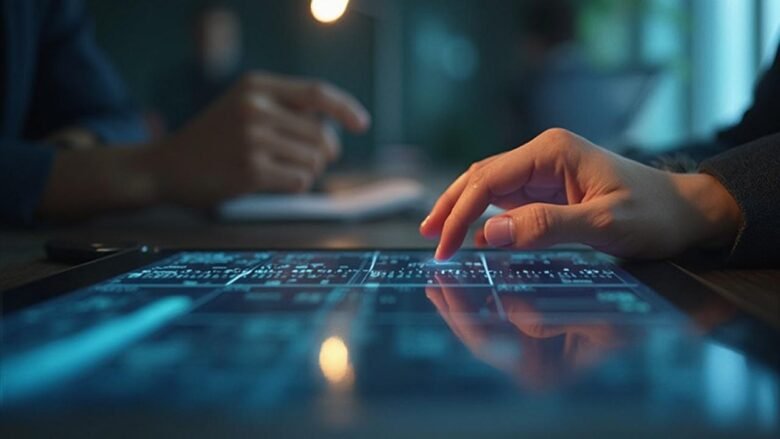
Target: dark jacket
52	76
750	171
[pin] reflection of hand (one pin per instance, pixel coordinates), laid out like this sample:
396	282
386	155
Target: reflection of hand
583	343
539	353
459	315
265	134
560	188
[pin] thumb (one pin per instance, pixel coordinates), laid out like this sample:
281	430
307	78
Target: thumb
539	225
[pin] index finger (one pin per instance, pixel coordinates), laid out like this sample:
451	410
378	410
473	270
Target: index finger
497	178
317	96
432	225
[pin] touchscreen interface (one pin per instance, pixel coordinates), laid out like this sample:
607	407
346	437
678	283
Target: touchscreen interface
249	330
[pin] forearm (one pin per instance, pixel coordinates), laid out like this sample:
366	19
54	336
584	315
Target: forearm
86	182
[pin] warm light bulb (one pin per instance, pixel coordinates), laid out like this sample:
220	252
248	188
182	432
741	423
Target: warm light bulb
328	11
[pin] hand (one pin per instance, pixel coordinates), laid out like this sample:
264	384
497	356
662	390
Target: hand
265	134
560	188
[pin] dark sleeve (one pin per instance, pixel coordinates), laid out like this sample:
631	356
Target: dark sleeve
751	173
761	119
75	85
24	172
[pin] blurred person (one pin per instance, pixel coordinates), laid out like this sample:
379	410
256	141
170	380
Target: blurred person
216	62
547	45
556	72
561	188
548	36
66	116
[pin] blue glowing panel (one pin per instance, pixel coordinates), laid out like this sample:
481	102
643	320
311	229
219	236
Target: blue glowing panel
238	332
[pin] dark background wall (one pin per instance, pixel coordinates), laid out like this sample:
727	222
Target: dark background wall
149	39
460	58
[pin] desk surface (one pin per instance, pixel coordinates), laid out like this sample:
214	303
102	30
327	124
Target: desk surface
22	257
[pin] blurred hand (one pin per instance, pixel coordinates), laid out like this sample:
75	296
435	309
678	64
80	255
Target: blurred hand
266	134
560	188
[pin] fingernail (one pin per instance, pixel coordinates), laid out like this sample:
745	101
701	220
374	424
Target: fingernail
499	231
425	221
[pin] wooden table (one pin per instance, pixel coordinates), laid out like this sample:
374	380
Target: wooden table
22	257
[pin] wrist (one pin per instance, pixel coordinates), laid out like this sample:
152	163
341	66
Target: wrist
714	215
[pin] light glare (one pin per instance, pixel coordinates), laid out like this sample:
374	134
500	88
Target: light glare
334	360
328	11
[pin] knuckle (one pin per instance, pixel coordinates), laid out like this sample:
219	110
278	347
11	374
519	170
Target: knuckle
558	140
604	220
262	106
487	160
561	135
317	90
477	181
481	183
247	110
247	81
539	222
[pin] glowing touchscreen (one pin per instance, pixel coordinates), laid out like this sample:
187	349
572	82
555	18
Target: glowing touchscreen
208	322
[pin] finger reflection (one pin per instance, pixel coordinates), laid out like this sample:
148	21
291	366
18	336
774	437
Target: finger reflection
538	354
